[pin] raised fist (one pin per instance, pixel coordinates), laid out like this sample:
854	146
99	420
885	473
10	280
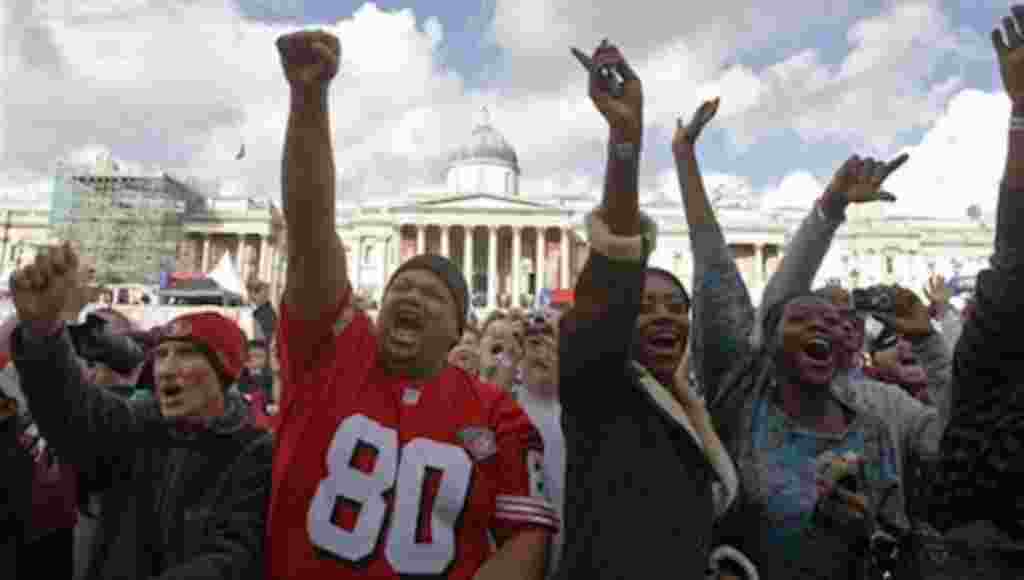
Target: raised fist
686	135
620	102
310	58
44	289
860	180
1010	52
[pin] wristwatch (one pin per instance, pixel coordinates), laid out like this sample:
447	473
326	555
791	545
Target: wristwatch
624	151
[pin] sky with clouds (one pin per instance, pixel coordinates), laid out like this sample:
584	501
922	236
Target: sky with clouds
178	86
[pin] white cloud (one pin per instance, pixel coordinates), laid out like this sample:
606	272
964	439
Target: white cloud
798	189
537	33
888	83
959	161
184	87
186	83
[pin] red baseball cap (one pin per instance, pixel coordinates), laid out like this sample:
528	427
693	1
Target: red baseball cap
221	338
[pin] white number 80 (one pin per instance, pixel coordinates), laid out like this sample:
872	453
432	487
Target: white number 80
406	475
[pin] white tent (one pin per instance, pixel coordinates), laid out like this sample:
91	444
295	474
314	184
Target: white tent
226	276
5	280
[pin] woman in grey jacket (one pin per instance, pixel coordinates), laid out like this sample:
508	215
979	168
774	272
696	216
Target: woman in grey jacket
817	457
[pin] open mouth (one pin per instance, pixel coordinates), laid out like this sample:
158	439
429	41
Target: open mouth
171	393
664	340
819	349
407	326
909	360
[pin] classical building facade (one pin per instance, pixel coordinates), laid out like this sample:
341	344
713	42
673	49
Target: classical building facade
513	245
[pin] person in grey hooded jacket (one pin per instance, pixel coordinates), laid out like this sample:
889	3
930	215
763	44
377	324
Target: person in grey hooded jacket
818	458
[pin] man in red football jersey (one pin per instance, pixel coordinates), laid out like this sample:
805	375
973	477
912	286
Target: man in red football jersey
389	462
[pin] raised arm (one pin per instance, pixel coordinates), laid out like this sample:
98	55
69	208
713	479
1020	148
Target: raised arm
595	335
923	424
980	449
722	312
91	427
990	353
857	181
317	276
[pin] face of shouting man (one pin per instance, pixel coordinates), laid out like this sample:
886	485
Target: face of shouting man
187	384
417	325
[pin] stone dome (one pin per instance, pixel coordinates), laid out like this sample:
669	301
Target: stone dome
486	145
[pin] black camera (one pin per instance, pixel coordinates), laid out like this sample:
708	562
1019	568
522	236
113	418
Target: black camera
875	299
95	343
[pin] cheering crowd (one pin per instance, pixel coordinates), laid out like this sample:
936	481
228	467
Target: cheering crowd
650	431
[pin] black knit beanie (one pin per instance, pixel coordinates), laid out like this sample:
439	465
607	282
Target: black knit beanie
447	271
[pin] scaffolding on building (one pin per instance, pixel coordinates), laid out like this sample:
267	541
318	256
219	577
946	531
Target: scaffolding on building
128	226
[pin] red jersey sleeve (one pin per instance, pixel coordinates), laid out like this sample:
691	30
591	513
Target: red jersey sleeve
522	499
308	348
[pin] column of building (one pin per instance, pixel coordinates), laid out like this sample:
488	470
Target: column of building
564	277
492	266
467	256
517	283
540	264
517	267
